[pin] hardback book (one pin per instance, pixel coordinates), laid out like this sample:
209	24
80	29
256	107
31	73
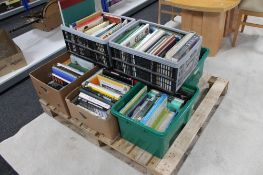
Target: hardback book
133	101
136	36
103	30
104	91
91	99
89	24
96	28
115	85
153	39
127	34
155	111
179	45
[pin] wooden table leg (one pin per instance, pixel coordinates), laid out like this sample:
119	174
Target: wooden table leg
231	21
209	25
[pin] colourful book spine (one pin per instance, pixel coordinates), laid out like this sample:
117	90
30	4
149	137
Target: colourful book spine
155	110
63	74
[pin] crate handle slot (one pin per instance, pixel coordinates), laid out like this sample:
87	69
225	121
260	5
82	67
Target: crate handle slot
43	89
82	115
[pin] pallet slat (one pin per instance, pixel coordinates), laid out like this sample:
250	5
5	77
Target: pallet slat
175	154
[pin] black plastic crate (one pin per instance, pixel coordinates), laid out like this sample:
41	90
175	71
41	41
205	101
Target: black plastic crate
155	71
88	47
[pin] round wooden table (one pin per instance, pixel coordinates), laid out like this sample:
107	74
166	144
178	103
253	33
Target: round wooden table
210	18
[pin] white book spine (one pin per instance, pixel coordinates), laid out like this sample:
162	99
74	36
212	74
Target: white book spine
94	100
71	68
153	40
96	28
178	46
83	63
136	36
61	78
103	30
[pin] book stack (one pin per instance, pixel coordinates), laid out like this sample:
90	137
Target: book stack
99	25
158	42
101	91
154	109
68	71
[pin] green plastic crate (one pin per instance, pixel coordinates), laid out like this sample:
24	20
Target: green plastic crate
195	76
157	143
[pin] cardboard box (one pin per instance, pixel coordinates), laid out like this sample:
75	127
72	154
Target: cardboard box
11	57
108	127
56	98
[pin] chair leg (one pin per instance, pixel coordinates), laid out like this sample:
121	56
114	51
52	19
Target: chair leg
237	29
159	11
243	26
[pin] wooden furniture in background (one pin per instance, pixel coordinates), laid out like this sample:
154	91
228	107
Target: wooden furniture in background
206	17
248	8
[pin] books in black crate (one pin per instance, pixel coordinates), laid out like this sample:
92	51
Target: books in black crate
156	55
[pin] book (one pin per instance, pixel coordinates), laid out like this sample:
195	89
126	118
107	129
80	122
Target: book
96	95
78	67
165	123
96	28
112	19
153	39
144	40
159	45
104	91
103	30
187	47
117	86
60	80
155	111
156	44
55	84
71	69
111	31
63	74
92	107
125	109
156	124
136	36
115	75
126	34
84	21
136	105
179	45
89	24
167	45
79	61
105	106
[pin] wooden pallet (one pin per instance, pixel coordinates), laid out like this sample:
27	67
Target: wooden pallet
213	89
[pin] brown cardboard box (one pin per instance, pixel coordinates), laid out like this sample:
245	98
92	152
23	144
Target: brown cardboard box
11	57
56	98
108	127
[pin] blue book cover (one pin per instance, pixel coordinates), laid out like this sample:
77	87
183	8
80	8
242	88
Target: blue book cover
63	74
154	108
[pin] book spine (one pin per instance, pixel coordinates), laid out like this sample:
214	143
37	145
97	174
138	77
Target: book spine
156	107
94	100
63	74
104	91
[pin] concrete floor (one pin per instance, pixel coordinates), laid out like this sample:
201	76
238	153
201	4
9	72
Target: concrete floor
231	144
